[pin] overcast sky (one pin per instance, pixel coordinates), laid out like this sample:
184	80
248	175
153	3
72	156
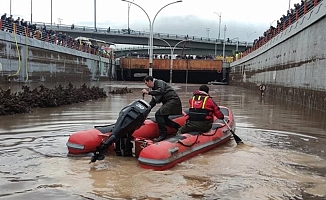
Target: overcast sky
246	20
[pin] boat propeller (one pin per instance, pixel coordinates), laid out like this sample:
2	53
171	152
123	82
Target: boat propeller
95	157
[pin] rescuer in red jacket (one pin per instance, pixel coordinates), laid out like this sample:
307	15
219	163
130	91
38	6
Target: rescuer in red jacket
201	112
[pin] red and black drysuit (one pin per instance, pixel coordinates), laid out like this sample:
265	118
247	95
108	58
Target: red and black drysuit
201	113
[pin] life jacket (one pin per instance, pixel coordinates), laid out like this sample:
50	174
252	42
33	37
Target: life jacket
199	110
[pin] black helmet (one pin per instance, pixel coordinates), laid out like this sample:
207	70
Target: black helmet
204	88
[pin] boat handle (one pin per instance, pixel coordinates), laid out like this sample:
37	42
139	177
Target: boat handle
173	150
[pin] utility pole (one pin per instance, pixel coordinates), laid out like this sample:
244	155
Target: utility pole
219	29
51	13
10	8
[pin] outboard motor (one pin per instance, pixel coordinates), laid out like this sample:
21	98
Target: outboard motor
130	119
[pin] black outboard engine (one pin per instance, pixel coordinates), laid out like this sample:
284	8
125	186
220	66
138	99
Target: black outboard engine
130	119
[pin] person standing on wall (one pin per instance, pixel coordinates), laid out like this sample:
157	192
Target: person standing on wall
163	93
201	112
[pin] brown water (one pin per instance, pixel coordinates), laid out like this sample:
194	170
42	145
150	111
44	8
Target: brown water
283	156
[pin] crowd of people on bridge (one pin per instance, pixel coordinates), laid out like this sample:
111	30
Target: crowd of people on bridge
293	14
9	24
28	29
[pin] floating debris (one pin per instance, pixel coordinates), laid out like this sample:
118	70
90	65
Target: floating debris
25	100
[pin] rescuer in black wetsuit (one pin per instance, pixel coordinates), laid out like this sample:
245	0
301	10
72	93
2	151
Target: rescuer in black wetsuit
163	93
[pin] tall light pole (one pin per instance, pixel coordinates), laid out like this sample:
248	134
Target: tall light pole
219	24
31	11
129	4
172	50
151	24
171	62
10	8
219	28
95	15
51	13
224	44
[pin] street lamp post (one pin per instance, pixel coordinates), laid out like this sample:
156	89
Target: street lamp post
219	28
151	24
10	8
172	51
95	15
219	24
129	4
31	11
171	62
224	44
51	13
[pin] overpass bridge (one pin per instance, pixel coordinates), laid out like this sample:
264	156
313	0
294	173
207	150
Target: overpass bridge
191	45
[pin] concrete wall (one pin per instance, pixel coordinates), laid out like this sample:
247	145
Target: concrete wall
292	64
26	59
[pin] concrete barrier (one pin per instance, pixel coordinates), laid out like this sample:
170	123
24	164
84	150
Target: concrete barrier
292	64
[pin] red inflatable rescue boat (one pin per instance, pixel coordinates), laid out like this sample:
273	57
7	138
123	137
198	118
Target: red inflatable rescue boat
133	132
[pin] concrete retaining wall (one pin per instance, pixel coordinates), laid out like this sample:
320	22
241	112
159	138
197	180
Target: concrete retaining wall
25	59
292	64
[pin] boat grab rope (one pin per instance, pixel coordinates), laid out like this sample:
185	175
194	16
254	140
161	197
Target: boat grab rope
186	145
190	145
210	134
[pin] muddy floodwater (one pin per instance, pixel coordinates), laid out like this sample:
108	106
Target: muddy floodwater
283	155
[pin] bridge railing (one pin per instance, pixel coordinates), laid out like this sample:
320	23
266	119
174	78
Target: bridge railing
112	31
